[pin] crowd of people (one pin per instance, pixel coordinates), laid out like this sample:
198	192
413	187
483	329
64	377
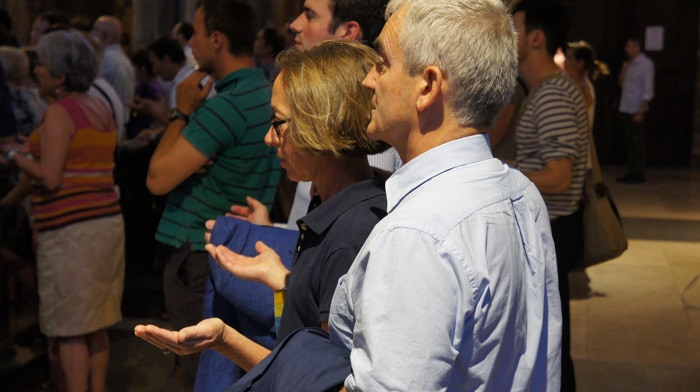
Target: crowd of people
436	187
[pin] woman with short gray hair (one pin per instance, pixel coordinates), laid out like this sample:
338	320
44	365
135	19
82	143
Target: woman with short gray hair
69	159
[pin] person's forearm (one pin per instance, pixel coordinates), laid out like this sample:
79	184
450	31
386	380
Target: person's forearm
279	279
548	183
17	193
161	117
241	350
172	132
33	170
158	168
554	178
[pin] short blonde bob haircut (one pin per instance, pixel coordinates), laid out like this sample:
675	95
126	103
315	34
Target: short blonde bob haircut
330	110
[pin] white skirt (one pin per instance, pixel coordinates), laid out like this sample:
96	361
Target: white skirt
81	277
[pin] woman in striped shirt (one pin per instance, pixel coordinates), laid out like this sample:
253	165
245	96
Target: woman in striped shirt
77	217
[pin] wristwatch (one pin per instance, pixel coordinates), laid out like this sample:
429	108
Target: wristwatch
176	114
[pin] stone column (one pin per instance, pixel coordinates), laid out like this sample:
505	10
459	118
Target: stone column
153	19
187	9
143	28
20	19
695	148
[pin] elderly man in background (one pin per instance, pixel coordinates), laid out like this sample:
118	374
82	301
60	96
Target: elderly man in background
115	66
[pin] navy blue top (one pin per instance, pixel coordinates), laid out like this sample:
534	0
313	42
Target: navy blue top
330	236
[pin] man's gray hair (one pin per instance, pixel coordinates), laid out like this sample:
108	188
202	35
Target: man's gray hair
472	42
68	54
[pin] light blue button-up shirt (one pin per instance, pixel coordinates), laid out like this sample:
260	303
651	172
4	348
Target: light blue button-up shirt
637	84
456	289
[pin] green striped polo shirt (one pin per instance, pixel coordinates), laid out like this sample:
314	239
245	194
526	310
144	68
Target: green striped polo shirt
229	128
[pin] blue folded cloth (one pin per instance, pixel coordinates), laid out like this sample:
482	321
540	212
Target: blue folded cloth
246	306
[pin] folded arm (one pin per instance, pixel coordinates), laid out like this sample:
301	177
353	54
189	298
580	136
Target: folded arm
175	158
555	178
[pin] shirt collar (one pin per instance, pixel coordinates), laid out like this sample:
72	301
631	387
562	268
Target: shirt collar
638	58
323	216
430	164
234	76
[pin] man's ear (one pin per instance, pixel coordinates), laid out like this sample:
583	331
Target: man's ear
219	40
349	30
430	87
537	39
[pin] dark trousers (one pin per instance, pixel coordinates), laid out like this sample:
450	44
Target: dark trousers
567	232
184	281
635	142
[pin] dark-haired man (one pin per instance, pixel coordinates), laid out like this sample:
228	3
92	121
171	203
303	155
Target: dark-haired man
228	130
552	142
169	63
637	84
320	20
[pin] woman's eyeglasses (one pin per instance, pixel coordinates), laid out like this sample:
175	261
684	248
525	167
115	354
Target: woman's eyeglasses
276	125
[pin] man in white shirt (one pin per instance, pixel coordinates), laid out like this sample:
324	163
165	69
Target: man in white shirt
637	83
169	63
456	288
115	66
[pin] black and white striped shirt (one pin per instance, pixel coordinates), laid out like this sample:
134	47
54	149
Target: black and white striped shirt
553	125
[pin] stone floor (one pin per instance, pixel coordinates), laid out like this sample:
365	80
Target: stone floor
638	330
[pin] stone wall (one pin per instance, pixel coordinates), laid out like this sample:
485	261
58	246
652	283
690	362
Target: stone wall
696	123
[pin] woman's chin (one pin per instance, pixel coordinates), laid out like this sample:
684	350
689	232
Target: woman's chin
295	177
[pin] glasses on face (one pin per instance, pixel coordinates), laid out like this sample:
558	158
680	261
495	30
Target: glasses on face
276	124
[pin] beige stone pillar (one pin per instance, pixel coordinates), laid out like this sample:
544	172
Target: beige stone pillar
20	19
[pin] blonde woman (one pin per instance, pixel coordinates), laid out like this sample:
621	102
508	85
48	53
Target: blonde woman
321	112
580	63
